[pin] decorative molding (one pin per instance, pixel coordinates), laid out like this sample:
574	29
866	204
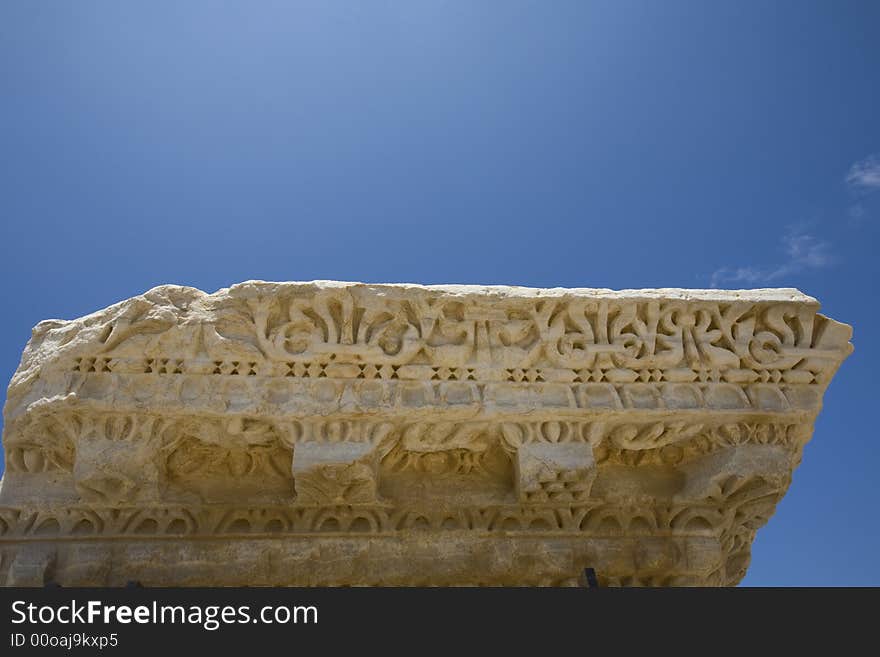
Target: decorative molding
649	433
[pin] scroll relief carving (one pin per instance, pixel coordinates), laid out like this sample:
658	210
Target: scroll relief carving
648	434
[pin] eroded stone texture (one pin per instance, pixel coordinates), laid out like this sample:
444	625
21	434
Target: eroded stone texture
337	433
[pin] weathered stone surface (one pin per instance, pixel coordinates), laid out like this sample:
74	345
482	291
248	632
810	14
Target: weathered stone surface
338	433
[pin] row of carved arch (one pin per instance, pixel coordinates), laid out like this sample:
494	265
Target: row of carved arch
177	521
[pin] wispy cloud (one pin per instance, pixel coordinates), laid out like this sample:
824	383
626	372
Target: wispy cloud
803	252
864	175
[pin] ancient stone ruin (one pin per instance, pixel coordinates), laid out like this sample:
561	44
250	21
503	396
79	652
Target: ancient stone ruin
347	434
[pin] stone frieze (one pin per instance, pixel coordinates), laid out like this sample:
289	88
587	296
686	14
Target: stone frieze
409	435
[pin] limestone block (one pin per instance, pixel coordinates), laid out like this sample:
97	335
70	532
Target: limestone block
554	472
732	469
331	433
114	472
335	473
32	567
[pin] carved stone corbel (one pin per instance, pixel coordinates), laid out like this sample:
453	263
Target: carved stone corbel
335	473
116	462
554	473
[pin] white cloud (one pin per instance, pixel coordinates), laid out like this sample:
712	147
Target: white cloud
865	174
804	252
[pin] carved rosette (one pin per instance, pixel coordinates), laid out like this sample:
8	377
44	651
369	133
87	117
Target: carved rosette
332	426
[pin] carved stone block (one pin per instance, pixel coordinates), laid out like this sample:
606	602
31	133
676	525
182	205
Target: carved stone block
335	473
114	472
560	473
332	433
32	567
721	473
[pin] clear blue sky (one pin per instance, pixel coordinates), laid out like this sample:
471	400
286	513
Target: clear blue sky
601	144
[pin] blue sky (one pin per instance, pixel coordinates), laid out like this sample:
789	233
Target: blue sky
598	144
